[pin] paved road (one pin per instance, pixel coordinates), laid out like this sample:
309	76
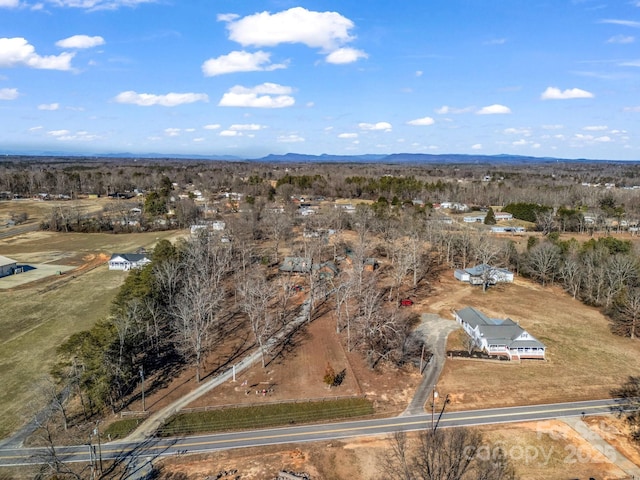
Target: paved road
143	452
13	231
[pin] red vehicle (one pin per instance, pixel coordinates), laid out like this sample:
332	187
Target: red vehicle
406	302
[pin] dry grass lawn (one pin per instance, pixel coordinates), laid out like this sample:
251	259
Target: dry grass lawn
584	360
35	318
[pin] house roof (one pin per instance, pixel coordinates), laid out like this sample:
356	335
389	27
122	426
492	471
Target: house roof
296	264
6	261
478	270
130	257
498	331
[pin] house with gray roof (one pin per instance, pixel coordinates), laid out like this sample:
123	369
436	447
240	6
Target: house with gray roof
484	273
499	337
128	261
296	265
7	266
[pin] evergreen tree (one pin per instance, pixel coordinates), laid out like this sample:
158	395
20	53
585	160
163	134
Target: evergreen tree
490	219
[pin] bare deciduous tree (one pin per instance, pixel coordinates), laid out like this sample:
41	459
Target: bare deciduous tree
625	313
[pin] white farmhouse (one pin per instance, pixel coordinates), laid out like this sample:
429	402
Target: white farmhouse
128	261
499	338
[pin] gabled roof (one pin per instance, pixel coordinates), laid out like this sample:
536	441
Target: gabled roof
478	270
497	331
130	257
296	265
6	261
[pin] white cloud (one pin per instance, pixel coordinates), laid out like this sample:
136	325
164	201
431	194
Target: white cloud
553	93
595	128
198	139
212	126
624	23
495	109
552	127
348	135
80	41
631	109
477	146
240	61
631	63
386	126
293	138
58	133
622	39
520	143
230	133
18	52
68	136
419	73
8	93
99	4
49	106
517	131
345	55
267	95
168	100
249	126
604	139
327	31
496	41
446	109
9	3
172	132
424	121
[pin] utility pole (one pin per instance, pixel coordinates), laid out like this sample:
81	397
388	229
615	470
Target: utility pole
91	462
142	379
433	408
96	432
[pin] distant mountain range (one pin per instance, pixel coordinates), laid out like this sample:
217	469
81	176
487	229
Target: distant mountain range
395	158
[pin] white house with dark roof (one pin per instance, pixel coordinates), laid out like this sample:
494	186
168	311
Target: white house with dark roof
484	273
128	261
7	266
498	337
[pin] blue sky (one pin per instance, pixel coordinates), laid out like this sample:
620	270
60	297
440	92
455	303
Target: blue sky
544	78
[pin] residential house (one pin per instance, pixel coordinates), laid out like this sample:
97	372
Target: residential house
326	270
128	261
480	273
296	265
474	218
503	216
499	338
497	229
8	266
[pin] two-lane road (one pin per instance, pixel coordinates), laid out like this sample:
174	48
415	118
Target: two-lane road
156	447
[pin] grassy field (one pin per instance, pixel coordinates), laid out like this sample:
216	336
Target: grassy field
584	359
36	318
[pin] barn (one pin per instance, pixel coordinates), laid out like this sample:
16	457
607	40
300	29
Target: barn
7	266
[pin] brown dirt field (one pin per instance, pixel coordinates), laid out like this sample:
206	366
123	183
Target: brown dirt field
299	375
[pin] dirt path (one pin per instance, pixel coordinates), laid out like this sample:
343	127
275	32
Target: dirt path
435	330
155	421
